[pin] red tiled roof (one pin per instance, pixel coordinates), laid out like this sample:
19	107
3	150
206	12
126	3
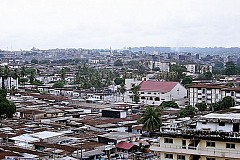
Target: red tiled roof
157	86
124	145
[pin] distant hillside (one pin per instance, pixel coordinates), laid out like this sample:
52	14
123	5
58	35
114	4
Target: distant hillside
211	51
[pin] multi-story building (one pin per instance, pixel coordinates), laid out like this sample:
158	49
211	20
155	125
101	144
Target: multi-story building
163	66
9	83
209	94
191	68
155	92
215	137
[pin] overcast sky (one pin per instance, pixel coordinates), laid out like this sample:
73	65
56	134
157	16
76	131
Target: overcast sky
118	23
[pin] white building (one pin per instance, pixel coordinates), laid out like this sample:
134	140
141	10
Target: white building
191	68
209	94
9	83
228	122
216	137
155	92
164	66
205	68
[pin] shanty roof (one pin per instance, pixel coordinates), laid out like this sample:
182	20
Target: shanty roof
46	134
157	86
124	145
25	138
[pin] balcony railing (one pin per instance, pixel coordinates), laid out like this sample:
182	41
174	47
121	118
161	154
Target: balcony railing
197	151
201	133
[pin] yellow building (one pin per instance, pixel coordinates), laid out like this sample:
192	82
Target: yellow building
217	139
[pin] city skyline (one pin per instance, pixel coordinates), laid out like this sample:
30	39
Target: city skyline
117	24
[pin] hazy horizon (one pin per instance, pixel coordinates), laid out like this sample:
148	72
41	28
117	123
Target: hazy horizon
102	24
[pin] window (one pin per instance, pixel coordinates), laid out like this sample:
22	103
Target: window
221	124
142	92
230	145
232	93
203	91
210	144
142	97
169	156
204	122
184	143
180	157
168	140
157	99
151	98
130	92
149	92
210	158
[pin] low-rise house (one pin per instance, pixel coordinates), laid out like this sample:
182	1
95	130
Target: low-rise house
117	137
113	113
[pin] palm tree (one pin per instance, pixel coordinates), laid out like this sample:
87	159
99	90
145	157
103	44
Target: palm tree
63	74
5	75
23	74
151	119
32	75
1	75
122	89
135	90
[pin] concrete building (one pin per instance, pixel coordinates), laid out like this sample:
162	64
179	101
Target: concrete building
155	92
164	66
209	94
191	68
216	137
10	83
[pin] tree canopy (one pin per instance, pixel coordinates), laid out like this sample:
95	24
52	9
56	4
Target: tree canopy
187	80
119	81
167	104
118	62
201	106
230	68
136	96
151	119
58	84
187	111
7	108
225	103
179	70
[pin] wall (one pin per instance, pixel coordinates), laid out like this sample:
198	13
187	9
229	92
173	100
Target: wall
215	126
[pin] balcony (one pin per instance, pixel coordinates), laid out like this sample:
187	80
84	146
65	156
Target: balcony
197	151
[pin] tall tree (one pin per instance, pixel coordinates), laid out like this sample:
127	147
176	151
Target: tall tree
32	75
179	70
187	111
122	89
1	75
5	74
7	108
151	119
230	68
227	102
63	74
136	95
201	106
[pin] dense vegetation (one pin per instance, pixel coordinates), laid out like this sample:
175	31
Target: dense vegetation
7	108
